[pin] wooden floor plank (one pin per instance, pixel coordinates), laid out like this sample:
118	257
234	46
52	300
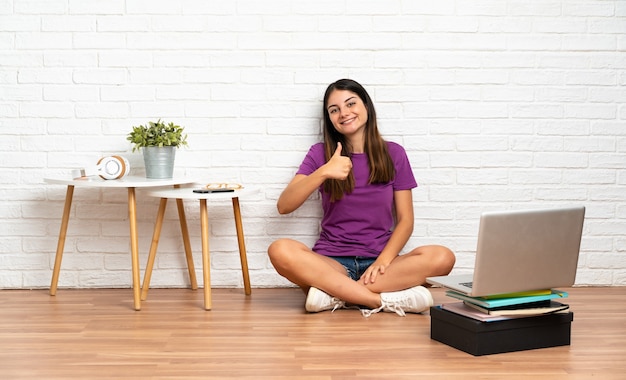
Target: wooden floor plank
96	334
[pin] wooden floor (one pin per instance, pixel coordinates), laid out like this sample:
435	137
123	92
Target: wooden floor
96	334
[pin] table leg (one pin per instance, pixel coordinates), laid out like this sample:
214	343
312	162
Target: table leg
61	243
134	247
206	262
185	232
242	247
153	248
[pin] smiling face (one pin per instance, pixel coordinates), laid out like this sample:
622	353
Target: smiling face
347	113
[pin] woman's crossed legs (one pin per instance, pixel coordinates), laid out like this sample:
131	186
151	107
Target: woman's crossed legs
305	268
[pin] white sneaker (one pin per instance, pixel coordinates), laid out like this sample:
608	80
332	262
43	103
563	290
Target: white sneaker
317	300
412	300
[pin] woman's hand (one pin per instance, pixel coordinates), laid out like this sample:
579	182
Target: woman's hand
338	167
371	273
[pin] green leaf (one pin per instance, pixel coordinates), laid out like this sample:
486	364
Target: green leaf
157	134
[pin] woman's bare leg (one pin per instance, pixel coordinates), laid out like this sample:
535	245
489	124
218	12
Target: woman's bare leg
305	268
411	269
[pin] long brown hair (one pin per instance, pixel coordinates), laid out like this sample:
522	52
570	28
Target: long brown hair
378	158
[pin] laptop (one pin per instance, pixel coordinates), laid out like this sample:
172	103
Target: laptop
521	251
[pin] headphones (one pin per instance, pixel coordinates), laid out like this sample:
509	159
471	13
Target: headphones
109	167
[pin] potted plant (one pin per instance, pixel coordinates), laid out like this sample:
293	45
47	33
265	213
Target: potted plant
158	141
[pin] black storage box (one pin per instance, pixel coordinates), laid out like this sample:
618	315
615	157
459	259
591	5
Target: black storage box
484	338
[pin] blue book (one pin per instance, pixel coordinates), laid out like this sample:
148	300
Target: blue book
507	301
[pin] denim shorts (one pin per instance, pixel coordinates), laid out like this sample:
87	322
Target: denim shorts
355	265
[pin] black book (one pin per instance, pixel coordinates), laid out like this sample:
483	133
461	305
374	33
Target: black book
532	308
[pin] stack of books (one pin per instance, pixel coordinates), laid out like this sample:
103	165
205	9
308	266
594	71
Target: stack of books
507	306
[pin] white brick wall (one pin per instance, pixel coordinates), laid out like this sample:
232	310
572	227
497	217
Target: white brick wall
500	105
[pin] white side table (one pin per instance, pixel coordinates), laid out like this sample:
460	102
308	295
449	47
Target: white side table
130	183
187	193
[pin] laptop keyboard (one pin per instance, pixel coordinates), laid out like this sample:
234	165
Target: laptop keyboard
468	284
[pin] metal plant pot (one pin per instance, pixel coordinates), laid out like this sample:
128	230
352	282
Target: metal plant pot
159	161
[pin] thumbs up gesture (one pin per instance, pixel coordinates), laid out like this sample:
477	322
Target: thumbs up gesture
338	167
